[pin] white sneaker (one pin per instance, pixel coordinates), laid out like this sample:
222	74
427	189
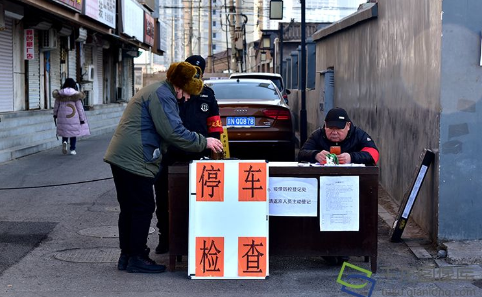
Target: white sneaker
64	147
73	153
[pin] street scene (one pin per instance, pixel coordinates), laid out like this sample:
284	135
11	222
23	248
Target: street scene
233	148
64	242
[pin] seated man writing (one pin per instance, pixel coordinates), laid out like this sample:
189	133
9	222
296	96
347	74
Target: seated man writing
355	144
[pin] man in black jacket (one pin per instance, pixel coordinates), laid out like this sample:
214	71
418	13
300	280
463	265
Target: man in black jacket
356	145
199	114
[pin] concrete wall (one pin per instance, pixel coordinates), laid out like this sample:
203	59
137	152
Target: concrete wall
461	91
387	76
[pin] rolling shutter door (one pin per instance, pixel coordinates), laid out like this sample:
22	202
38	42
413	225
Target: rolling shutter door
130	78
99	76
55	77
6	69
34	76
72	64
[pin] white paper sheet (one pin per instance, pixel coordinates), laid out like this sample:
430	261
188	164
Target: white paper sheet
339	203
292	197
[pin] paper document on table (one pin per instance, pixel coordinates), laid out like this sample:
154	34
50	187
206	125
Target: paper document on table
339	203
293	197
341	165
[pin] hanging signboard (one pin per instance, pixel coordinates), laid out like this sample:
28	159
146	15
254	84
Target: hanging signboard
132	19
149	29
293	197
74	4
103	11
228	219
29	52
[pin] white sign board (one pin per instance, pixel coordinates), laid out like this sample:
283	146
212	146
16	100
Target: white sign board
133	19
101	10
339	203
293	197
228	219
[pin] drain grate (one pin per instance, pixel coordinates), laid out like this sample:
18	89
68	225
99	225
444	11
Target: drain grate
105	231
93	255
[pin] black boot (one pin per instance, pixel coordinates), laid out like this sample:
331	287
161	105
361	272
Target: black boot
163	246
124	259
143	264
122	263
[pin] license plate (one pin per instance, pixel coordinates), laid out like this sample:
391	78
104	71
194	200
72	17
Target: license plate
240	121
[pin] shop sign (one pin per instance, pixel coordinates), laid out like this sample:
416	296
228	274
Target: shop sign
75	4
29	44
103	11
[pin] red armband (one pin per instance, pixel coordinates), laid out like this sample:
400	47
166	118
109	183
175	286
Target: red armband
214	124
373	152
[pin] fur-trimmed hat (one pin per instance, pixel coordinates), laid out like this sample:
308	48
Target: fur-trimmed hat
182	75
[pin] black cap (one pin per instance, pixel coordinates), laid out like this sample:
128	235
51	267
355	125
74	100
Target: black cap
337	117
197	61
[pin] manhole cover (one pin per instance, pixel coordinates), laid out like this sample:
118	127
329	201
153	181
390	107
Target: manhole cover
94	255
105	231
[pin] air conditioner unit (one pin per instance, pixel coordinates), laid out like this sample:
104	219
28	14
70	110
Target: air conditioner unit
49	40
89	73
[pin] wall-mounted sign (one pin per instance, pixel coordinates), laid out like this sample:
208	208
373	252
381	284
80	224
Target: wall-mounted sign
132	19
74	4
101	10
28	36
149	29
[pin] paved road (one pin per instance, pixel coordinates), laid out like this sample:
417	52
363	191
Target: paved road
60	241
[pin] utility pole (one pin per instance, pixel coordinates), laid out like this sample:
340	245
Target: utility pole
210	39
189	40
239	37
199	29
172	38
303	116
228	57
232	32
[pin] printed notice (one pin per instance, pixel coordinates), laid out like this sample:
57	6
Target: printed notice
339	203
292	197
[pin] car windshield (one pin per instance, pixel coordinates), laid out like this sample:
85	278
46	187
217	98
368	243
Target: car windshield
244	90
275	80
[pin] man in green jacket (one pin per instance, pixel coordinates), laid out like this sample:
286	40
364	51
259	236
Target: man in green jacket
149	124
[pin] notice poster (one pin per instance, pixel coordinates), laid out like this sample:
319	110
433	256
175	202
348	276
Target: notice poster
339	203
228	219
293	197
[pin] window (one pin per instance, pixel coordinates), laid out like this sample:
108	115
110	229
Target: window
214	23
214	11
214	47
214	35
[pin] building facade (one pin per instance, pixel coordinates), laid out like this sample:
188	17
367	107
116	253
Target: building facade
43	42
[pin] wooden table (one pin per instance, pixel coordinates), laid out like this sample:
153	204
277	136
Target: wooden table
290	235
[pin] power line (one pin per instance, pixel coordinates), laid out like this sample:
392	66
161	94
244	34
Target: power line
56	185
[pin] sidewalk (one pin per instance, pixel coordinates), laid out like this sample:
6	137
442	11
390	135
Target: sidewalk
59	241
